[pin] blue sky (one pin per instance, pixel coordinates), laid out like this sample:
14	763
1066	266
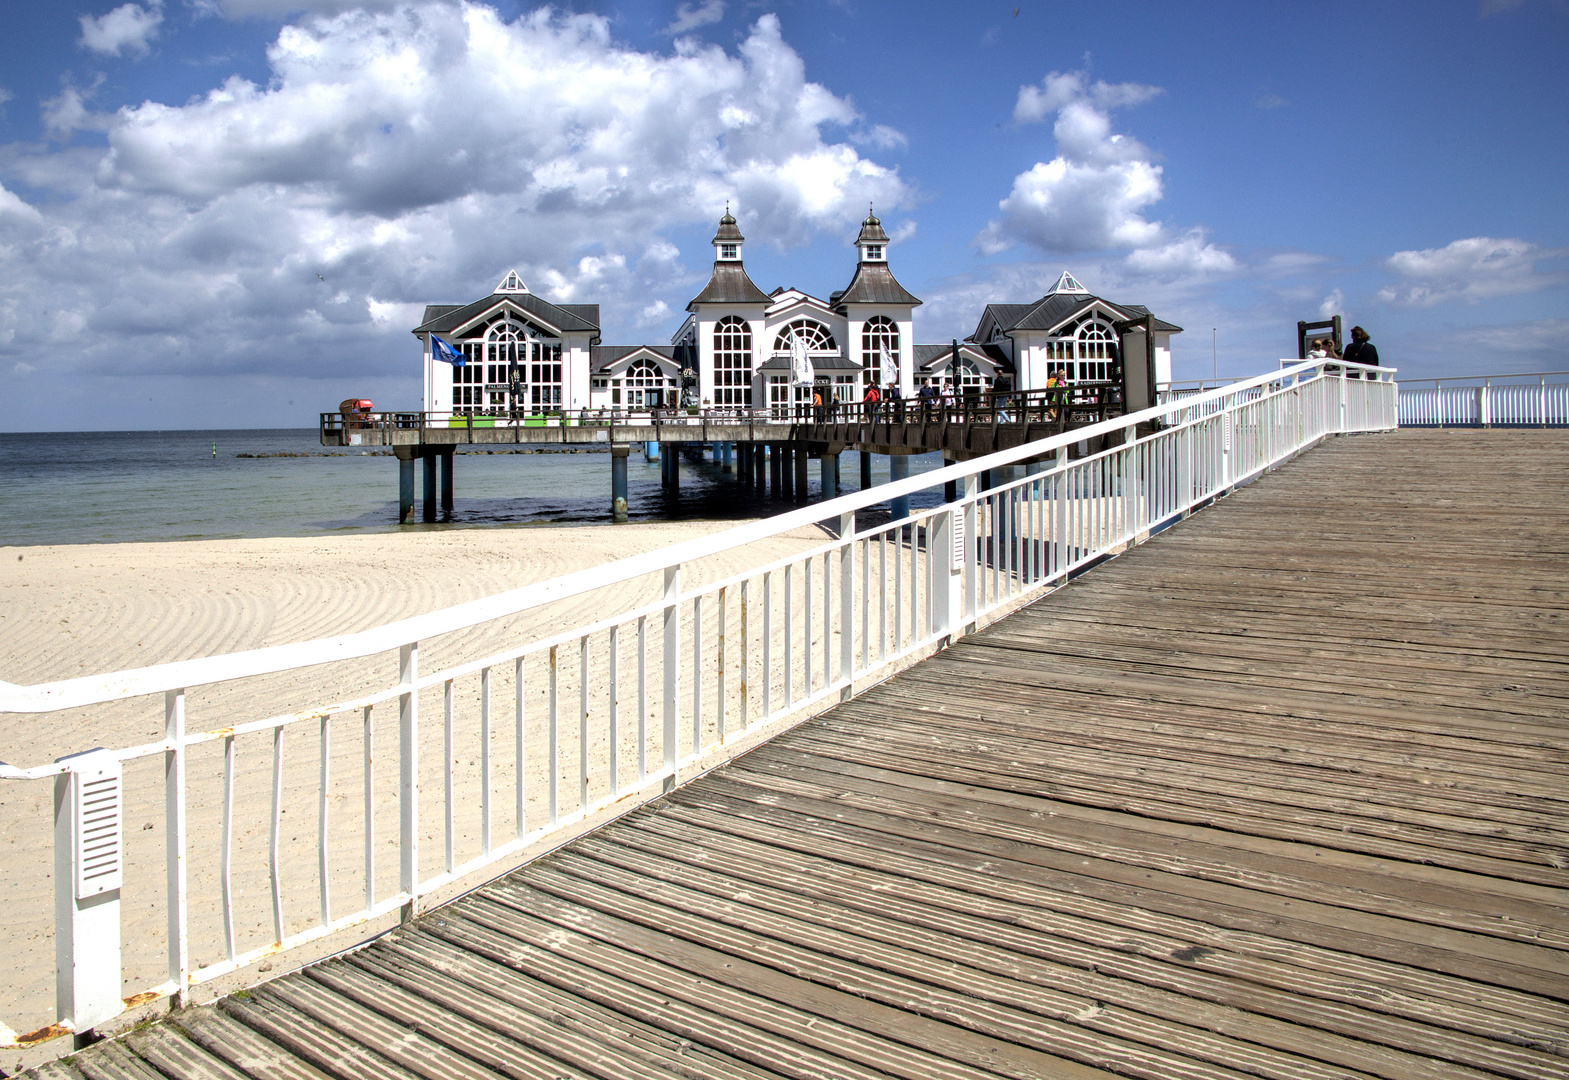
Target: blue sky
231	212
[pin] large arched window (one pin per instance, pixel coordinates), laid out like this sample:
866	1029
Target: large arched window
733	361
1096	342
504	353
818	338
646	387
965	377
878	334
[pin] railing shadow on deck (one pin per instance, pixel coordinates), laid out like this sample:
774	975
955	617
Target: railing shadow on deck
608	714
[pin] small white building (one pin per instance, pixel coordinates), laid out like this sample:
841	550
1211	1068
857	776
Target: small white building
523	353
1066	330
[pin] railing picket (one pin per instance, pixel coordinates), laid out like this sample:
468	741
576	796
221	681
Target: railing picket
519	777
174	841
321	821
719	663
484	761
806	630
789	636
744	669
613	719
582	723
226	877
642	698
553	754
448	825
275	877
697	675
370	809
768	646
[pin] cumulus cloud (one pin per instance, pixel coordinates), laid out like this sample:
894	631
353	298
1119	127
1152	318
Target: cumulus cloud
1332	305
1469	270
411	156
691	16
1089	196
128	29
1094	194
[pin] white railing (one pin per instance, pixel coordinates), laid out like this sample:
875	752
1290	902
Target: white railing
540	734
1528	399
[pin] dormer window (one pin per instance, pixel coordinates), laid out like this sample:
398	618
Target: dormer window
874	252
729	251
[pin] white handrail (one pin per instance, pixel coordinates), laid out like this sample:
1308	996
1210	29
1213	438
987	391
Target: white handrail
183	674
721	659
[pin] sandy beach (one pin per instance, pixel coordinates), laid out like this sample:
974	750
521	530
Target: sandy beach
67	611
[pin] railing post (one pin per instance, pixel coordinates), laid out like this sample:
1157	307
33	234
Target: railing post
846	604
1484	403
88	854
672	640
970	552
408	778
174	840
945	554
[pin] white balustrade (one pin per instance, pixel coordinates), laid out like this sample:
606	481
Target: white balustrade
1528	399
892	590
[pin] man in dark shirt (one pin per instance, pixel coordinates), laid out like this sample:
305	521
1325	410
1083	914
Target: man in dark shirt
1360	351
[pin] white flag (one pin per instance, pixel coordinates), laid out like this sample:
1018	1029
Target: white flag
800	364
890	371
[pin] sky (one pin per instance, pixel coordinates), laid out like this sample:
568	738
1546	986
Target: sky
231	213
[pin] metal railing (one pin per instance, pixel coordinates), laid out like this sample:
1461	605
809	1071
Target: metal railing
1526	399
542	733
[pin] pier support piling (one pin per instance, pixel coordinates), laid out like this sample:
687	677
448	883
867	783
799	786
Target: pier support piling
950	490
775	472
800	473
405	488
618	482
446	484
866	469
899	469
828	472
428	503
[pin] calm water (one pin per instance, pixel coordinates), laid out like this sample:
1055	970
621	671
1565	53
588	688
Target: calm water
103	487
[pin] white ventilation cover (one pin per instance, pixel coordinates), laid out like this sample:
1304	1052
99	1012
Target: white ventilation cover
97	820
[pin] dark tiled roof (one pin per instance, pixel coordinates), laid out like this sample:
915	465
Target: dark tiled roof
929	356
834	362
874	283
569	318
729	285
601	357
1050	312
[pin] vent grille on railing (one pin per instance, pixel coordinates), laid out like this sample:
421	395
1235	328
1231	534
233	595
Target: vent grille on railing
98	815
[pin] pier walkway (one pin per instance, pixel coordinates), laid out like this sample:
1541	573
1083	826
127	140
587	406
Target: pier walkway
1280	793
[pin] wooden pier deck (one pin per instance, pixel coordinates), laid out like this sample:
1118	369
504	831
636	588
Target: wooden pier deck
1282	793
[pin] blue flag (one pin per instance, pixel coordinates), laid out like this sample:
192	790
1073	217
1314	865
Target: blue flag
440	350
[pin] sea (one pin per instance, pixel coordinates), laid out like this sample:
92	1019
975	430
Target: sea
134	486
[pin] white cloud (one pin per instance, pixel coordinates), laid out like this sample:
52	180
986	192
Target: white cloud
1270	101
1332	305
1468	270
409	157
1190	254
691	16
654	314
129	28
1091	195
22	368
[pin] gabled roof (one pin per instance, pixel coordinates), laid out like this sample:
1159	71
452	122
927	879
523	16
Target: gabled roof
729	285
932	357
873	283
566	318
604	357
1055	309
820	362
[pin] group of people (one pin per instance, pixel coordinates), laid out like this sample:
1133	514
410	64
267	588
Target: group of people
1360	351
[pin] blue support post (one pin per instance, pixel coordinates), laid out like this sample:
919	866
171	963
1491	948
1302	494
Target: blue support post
898	469
446	484
866	469
618	482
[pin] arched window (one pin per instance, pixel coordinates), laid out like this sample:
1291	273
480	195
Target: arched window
646	386
818	338
733	361
879	333
965	377
1096	348
511	351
